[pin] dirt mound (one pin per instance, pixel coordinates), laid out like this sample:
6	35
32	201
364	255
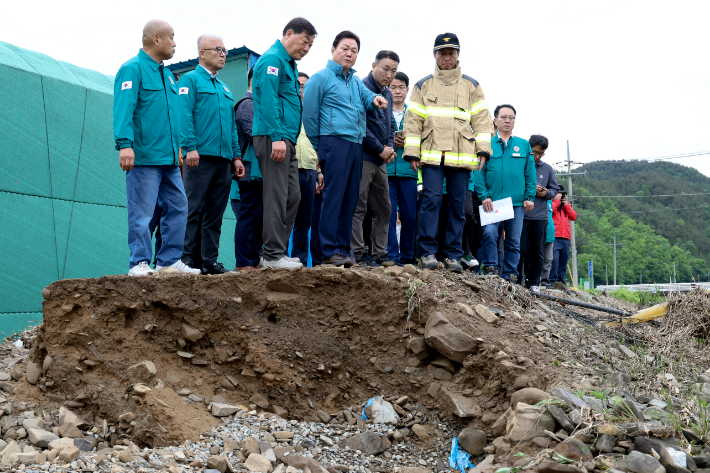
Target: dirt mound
292	342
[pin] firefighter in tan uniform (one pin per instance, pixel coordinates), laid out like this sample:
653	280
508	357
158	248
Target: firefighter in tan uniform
447	132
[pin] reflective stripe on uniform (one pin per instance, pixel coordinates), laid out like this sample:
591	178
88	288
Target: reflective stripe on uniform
418	109
433	156
478	106
447	112
412	141
483	137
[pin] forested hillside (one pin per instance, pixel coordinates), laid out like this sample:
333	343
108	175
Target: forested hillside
653	232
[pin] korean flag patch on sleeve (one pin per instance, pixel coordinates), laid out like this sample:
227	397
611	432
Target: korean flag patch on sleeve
272	70
127	85
183	90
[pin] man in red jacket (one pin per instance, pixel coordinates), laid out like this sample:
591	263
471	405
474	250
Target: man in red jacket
562	213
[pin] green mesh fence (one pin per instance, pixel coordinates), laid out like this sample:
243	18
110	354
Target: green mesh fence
62	193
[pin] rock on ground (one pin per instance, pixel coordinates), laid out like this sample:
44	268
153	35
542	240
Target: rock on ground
527	422
447	339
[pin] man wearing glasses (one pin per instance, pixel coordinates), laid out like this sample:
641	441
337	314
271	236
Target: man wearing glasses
377	150
532	238
208	136
510	172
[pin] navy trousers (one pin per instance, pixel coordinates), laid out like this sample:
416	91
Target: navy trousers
403	197
560	257
341	164
316	251
307	180
456	187
250	223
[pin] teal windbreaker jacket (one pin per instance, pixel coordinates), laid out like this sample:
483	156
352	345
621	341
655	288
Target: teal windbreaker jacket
509	172
206	110
145	111
275	89
334	104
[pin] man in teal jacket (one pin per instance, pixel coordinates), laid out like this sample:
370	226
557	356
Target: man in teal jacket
402	182
145	125
208	136
277	123
510	172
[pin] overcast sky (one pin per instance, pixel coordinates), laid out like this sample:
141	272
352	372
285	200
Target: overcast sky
618	79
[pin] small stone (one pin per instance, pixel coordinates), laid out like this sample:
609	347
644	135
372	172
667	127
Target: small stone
549	466
69	454
190	333
382	412
420	431
629	354
70	430
259	400
143	370
608	429
445	363
367	442
33	373
442	375
473	441
141	389
41	438
409	268
433	390
486	314
279	411
257	463
606	443
250	445
123	456
283	435
638	462
561	418
323	416
223	410
574	449
218	463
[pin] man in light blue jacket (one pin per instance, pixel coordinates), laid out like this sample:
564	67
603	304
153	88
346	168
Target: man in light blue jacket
334	105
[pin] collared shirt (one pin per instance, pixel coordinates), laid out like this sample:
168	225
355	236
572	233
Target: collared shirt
398	116
208	71
207	115
145	111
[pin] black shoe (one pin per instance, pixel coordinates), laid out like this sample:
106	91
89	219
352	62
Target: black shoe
490	271
339	259
386	261
366	260
215	268
453	265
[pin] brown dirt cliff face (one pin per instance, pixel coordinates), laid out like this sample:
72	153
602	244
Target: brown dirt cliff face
302	340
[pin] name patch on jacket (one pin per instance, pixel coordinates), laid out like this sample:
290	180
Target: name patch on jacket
183	90
272	70
516	154
127	85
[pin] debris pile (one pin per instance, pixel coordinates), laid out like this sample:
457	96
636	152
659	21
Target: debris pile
362	370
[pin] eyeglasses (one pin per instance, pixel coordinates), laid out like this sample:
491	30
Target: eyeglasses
220	51
506	118
403	88
535	153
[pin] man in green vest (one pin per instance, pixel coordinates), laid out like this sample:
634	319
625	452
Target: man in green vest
208	134
277	123
145	126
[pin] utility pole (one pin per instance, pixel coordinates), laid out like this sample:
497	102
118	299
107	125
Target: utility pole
607	275
674	280
614	259
571	223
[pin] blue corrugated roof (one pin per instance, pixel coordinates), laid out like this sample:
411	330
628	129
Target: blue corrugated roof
194	62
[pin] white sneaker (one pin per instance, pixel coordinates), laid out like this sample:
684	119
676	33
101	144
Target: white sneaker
293	260
180	266
141	269
535	288
279	263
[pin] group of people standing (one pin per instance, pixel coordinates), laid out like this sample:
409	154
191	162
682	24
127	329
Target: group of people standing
307	159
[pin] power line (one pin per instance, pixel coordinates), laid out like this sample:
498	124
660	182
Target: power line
643	211
678	156
637	196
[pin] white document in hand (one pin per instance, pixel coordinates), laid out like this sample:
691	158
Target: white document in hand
502	210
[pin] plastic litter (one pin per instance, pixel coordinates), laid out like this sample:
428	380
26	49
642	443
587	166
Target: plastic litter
18	343
459	459
369	403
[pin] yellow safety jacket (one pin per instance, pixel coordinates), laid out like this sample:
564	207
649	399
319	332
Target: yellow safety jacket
447	115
